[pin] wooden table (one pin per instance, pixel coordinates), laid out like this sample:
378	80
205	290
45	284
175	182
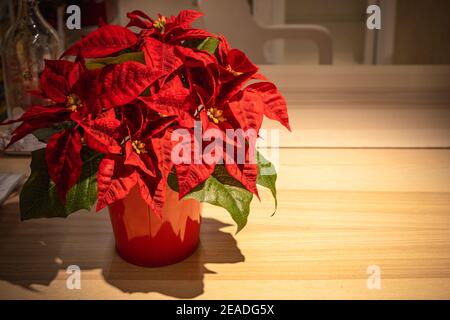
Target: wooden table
352	194
365	106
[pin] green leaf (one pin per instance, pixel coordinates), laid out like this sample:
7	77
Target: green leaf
84	194
222	175
267	176
44	134
39	198
101	62
172	180
210	45
226	192
192	43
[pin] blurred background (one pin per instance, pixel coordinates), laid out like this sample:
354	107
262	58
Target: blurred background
413	31
309	33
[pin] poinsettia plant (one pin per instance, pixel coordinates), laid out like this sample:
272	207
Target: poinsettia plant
117	113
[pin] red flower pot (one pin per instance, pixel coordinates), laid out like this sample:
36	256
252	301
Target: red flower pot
144	239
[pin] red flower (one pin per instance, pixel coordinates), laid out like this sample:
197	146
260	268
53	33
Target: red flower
176	101
133	112
222	104
169	29
79	95
120	84
69	86
161	57
105	41
220	87
142	158
111	39
63	160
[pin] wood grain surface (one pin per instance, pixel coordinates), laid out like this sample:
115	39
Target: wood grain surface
341	210
364	106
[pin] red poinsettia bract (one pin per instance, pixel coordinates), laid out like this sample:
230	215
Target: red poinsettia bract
132	111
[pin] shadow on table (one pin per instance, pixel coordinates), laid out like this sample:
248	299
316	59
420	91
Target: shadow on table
181	280
34	252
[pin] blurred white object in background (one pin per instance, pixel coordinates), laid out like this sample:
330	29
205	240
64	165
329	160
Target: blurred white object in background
233	18
21	147
8	182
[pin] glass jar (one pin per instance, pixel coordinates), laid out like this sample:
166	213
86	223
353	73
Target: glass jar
29	41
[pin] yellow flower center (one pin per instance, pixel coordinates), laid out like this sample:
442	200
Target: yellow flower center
160	23
73	102
138	146
216	115
233	72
